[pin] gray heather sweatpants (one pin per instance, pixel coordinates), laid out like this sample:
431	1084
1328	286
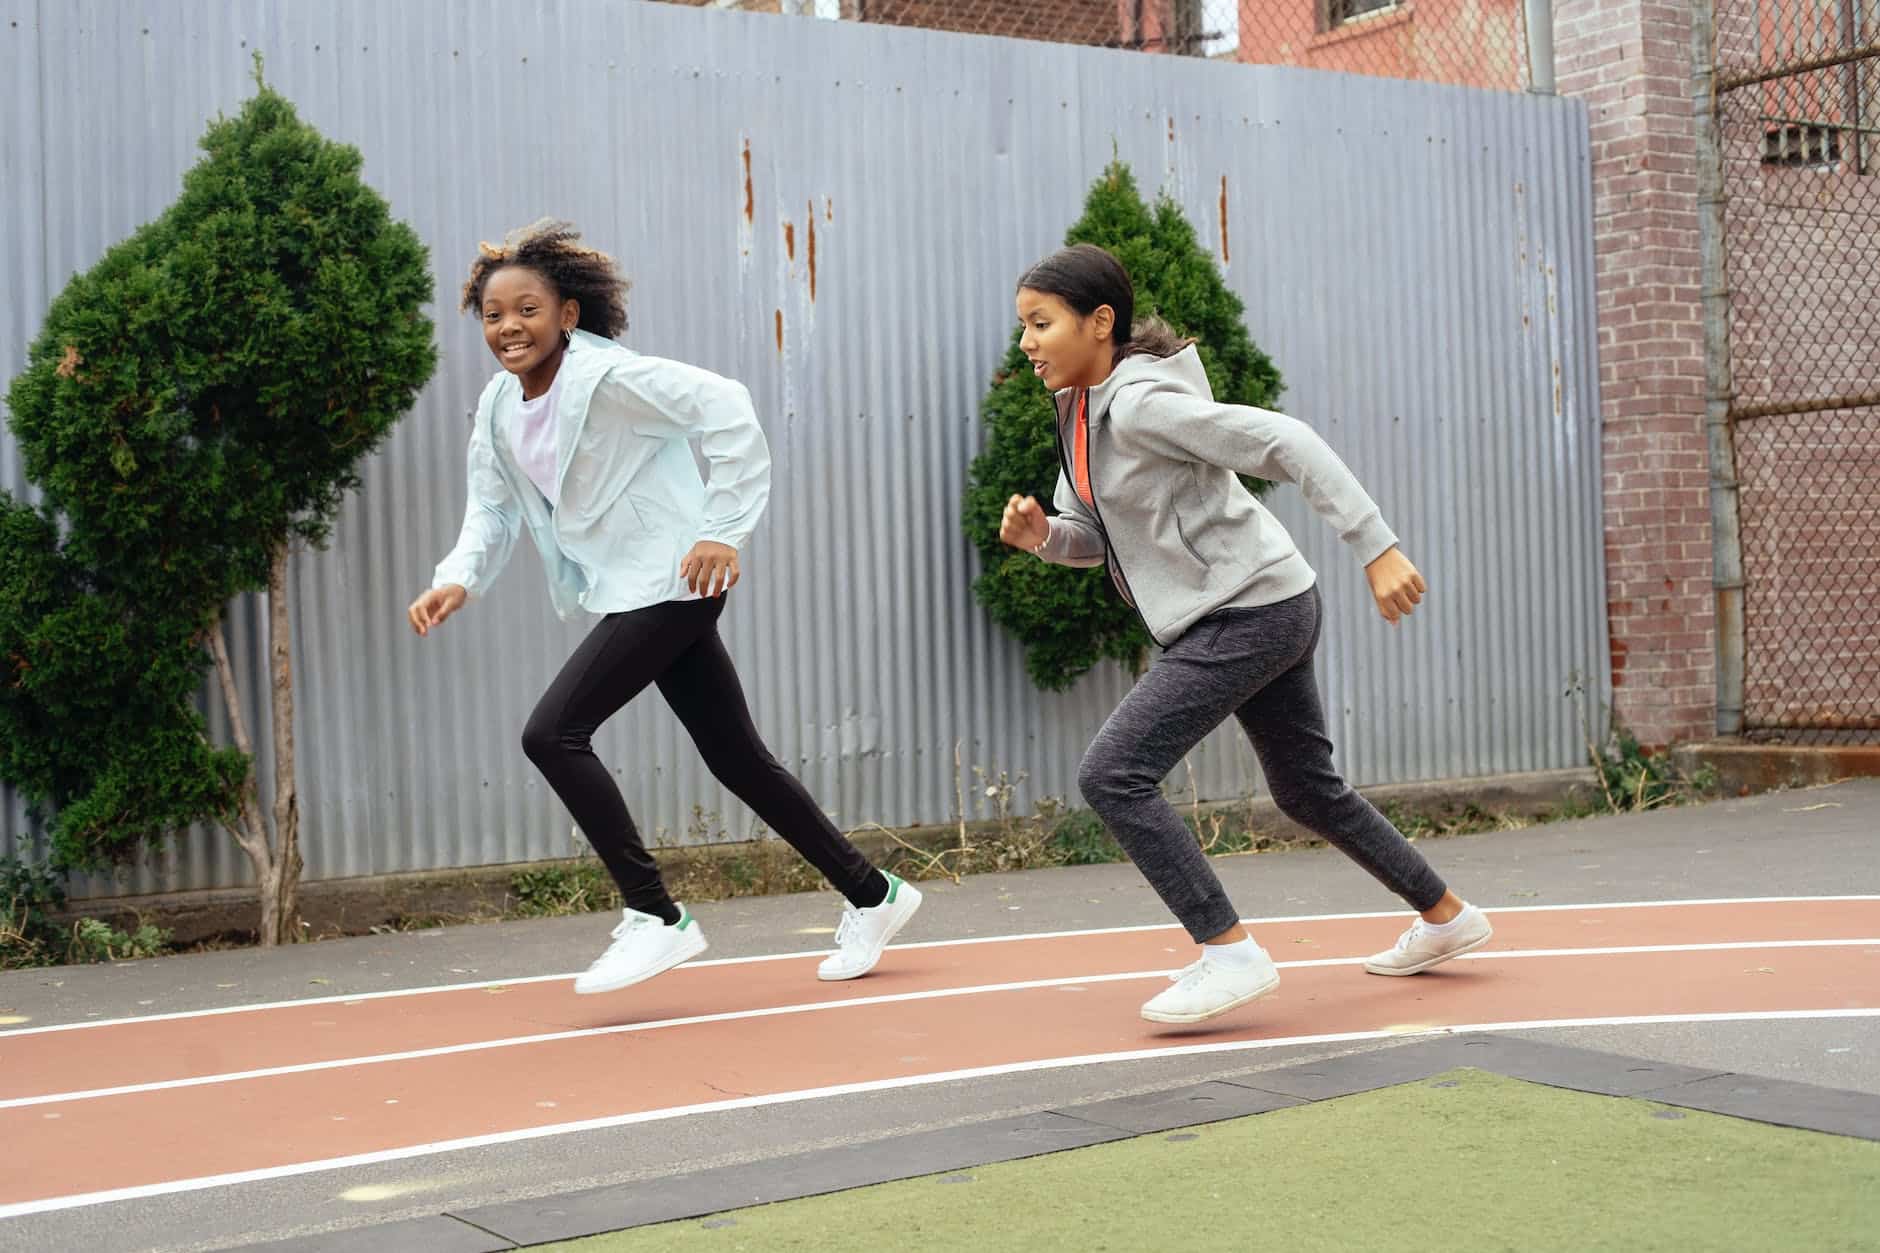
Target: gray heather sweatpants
1256	664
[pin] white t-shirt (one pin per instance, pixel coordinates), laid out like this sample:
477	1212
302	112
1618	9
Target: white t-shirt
532	438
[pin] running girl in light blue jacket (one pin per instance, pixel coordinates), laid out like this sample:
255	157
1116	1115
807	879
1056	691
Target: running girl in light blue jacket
585	445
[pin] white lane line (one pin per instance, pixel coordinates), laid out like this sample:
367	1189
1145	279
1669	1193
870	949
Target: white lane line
524	980
145	1191
810	1007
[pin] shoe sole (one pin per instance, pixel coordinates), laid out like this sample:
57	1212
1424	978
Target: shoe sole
894	929
678	958
1419	968
1181	1019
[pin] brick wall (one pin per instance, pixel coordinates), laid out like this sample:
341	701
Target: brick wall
1096	22
1476	43
1630	61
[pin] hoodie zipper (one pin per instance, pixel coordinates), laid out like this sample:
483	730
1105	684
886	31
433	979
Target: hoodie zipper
1109	550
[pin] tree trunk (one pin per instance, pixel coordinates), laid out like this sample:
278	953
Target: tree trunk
280	906
277	859
247	826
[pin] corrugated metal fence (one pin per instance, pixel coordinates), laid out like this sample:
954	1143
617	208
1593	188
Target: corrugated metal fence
835	214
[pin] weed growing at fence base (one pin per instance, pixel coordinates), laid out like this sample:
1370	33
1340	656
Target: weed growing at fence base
30	896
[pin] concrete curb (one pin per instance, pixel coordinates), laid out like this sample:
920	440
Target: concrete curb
355	906
1744	768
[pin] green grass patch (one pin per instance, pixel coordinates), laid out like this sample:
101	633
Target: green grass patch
1469	1159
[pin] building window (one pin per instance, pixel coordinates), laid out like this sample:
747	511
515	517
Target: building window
1338	12
1802	144
1815	63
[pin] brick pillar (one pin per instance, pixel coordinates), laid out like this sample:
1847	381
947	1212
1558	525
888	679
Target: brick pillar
1630	60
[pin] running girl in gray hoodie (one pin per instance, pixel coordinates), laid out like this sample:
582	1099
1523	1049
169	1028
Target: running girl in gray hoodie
1147	484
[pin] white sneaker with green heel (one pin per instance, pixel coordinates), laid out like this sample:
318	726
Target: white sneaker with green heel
864	933
644	945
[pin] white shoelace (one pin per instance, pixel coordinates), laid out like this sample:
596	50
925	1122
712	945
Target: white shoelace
1195	967
1410	937
850	927
624	931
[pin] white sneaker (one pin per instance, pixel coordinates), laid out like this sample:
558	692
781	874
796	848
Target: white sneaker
1208	988
643	946
1419	948
864	933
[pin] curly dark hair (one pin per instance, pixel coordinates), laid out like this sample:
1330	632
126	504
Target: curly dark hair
554	250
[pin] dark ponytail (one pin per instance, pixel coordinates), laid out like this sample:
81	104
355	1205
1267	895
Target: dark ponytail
1085	277
1155	337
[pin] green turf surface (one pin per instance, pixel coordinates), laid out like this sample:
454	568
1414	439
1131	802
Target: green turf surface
1462	1163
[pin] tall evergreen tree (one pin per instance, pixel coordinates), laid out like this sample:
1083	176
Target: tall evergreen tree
194	409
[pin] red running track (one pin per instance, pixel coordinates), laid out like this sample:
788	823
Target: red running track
145	1106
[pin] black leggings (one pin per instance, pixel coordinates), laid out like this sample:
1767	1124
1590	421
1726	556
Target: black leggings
675	645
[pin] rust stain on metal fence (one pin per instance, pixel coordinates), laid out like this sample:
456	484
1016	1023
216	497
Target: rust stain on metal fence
810	251
750	197
1224	257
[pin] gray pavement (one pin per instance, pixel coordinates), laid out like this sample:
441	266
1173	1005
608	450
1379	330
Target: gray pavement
1822	841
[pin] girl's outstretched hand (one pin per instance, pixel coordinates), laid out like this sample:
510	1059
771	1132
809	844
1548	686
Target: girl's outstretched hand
1396	585
1024	524
710	569
434	606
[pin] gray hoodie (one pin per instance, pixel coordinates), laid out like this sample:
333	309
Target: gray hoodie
1182	536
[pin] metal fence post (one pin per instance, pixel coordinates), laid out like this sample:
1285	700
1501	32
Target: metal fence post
1719	387
1538	17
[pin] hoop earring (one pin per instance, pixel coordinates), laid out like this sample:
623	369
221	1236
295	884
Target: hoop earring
567	336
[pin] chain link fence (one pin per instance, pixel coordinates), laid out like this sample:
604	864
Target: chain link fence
1798	110
1481	43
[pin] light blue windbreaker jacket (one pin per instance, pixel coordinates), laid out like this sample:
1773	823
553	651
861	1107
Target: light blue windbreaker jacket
631	500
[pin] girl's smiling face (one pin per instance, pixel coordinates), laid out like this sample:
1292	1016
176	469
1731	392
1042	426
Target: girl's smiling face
524	321
1065	349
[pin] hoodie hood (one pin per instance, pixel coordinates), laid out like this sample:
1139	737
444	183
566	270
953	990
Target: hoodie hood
1181	372
1167	511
